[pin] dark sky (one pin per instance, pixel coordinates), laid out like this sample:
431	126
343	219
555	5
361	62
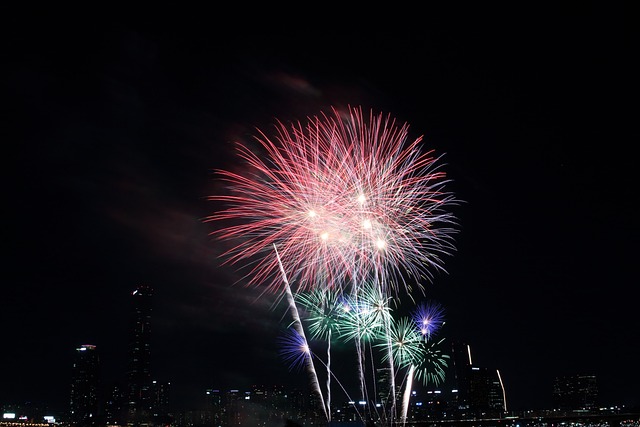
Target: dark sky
114	122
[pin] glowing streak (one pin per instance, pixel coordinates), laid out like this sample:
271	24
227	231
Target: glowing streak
387	324
300	330
297	352
324	309
504	395
341	386
329	372
407	395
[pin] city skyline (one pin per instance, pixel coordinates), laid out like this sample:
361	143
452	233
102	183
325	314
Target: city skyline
138	377
104	399
115	127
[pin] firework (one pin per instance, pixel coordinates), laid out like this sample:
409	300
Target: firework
344	199
325	311
406	343
294	349
431	368
358	319
368	321
340	214
365	315
429	317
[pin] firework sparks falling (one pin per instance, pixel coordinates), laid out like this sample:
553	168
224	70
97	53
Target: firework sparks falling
368	321
406	343
431	368
343	198
324	311
365	316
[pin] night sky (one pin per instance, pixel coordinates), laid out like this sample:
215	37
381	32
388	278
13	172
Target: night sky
113	124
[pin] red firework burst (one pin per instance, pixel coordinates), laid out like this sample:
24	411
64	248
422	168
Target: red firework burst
344	199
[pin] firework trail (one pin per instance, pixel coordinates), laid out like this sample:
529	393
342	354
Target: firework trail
324	310
295	350
407	395
367	320
404	341
300	331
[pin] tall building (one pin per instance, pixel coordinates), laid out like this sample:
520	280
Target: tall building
484	391
85	385
477	390
139	385
115	410
234	414
215	405
458	376
383	385
160	398
575	392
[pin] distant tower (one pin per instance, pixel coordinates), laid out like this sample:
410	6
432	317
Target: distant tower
485	391
477	389
383	383
139	374
215	405
460	367
85	386
575	392
115	409
160	398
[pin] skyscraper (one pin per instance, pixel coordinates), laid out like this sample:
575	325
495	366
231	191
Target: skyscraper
85	386
478	390
139	372
575	392
458	378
